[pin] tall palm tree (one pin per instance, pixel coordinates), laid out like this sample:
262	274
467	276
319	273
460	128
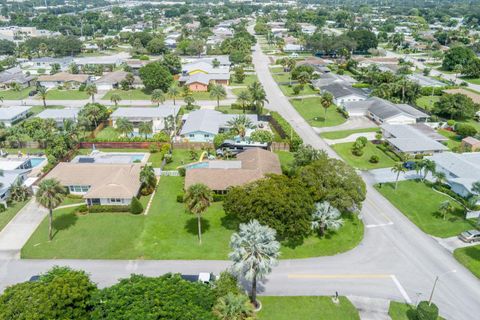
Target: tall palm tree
240	124
189	100
145	128
398	168
255	253
440	177
50	195
326	217
303	77
198	198
91	90
115	98
158	96
326	100
428	166
445	208
243	98
173	92
147	176
218	92
124	126
258	96
291	63
42	91
233	307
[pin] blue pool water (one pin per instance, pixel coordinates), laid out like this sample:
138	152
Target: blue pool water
36	161
197	165
137	157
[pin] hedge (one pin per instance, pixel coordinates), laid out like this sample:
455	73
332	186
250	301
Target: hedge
286	131
100	208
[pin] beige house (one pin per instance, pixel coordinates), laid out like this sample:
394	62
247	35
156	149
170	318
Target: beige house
63	79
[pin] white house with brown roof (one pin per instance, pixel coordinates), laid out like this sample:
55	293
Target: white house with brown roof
99	183
63	79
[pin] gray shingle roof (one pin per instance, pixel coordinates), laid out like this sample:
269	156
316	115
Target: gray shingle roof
8	113
408	139
209	121
464	166
59	114
339	89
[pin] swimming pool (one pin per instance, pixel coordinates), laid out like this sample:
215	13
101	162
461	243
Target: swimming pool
112	157
197	165
36	161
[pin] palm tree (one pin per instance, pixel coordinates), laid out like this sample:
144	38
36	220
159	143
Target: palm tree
43	94
428	166
158	96
147	177
91	90
189	100
398	168
445	208
291	63
440	177
145	128
50	195
240	124
243	98
115	98
326	100
124	126
255	253
303	77
218	92
233	307
198	198
173	92
326	217
258	96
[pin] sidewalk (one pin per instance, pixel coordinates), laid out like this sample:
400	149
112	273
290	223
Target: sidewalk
17	232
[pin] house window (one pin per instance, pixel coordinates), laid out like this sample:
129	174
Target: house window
191	135
115	200
206	135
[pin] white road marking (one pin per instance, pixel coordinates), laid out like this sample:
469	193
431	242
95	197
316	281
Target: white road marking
401	289
379	225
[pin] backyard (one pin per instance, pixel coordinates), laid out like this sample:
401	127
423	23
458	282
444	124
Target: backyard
55	94
312	111
422	208
470	258
362	162
16	95
311	307
155	158
167	232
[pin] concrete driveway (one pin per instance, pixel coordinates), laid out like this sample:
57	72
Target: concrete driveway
352	123
453	243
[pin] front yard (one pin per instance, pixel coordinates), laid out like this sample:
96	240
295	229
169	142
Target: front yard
134	94
363	162
10	212
312	111
288	90
470	258
55	94
427	102
249	79
167	232
16	95
420	203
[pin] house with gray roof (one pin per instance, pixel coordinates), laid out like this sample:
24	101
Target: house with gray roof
8	179
343	93
15	75
45	64
112	80
60	115
12	114
408	139
203	125
138	115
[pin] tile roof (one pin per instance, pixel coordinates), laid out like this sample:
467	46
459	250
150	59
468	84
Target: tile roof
64	76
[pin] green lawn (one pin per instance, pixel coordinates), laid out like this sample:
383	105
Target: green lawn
422	206
427	102
37	109
181	157
474	81
108	133
288	90
276	69
56	94
470	258
311	110
473	123
454	140
236	91
345	133
306	308
11	211
249	79
402	311
362	162
228	109
134	94
202	96
286	158
167	232
15	95
282	77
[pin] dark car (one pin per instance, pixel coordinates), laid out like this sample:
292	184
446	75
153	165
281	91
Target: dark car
32	93
410	165
34	278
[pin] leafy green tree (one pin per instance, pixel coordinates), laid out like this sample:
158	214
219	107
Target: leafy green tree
455	106
240	124
18	192
145	128
189	100
225	284
93	114
136	206
156	76
197	199
50	195
91	90
398	168
172	62
465	130
277	201
156	45
255	253
457	56
262	136
365	39
115	98
233	307
239	74
472	69
426	311
173	92
218	92
147	177
306	154
243	98
326	217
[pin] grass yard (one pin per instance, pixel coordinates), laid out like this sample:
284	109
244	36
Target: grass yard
470	258
108	133
181	157
285	157
16	95
402	311
473	81
427	102
56	94
454	141
362	162
306	308
345	133
229	110
288	90
37	109
282	77
134	94
236	91
422	208
312	111
276	69
202	96
249	79
473	123
11	211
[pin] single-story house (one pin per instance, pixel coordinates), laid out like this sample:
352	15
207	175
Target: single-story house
471	143
137	115
111	60
250	165
409	139
112	80
204	124
383	111
45	63
203	67
8	179
9	164
461	170
63	79
99	183
343	93
223	60
293	47
60	115
200	81
15	75
11	115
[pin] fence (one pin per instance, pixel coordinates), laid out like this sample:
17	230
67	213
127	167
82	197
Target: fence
119	145
193	145
280	146
169	173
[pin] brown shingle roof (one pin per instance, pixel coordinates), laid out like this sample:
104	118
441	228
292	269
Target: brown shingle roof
472	95
64	76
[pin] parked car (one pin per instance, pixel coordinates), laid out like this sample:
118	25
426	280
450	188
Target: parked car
470	236
410	165
34	278
32	93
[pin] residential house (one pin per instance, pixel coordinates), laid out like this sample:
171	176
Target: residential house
99	183
112	80
203	67
410	139
44	65
200	81
204	124
8	179
15	75
293	47
106	61
472	95
137	115
219	175
471	143
64	79
343	93
60	115
12	114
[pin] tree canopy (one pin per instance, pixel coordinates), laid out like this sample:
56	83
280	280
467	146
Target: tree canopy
156	76
455	106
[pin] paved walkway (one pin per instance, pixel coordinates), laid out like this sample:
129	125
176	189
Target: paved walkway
370	308
453	243
16	233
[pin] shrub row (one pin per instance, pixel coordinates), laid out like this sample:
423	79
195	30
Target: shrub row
135	207
286	131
